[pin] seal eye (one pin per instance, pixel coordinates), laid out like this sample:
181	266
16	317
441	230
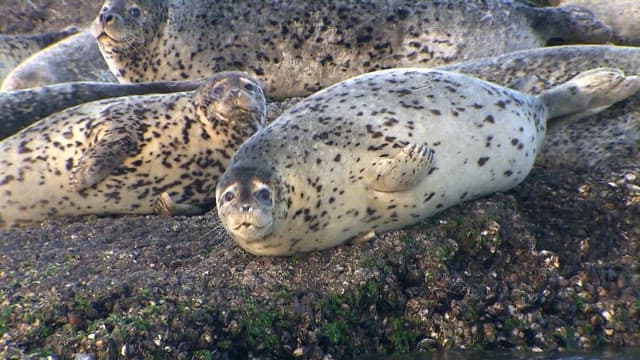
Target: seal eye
251	87
263	196
134	12
228	196
218	90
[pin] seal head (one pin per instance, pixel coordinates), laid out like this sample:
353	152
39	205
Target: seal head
124	28
245	199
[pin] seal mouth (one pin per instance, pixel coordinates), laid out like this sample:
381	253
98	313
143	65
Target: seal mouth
246	225
103	36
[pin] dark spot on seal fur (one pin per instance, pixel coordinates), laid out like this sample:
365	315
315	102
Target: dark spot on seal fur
483	160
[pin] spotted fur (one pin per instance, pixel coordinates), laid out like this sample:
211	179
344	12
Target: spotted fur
21	108
117	156
608	139
387	149
298	47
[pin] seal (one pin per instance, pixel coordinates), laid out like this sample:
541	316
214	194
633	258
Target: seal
76	58
599	143
302	47
21	108
15	48
621	16
387	149
117	156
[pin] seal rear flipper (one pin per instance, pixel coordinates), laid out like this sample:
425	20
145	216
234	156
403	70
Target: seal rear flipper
588	93
164	205
102	158
403	171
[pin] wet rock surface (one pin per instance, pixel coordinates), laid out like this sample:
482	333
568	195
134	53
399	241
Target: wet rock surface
552	264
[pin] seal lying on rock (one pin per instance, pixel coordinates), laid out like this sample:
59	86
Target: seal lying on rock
297	48
117	156
21	108
76	58
387	149
15	48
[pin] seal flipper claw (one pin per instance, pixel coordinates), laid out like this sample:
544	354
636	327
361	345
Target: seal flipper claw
164	205
403	171
363	237
102	158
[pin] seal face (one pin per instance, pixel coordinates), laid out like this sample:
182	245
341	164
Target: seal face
118	156
251	192
384	150
302	47
127	30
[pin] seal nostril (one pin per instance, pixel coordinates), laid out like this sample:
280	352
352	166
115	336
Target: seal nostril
245	208
106	18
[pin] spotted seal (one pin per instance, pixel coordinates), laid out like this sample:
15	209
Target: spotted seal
297	48
602	142
117	156
21	108
15	48
76	58
386	149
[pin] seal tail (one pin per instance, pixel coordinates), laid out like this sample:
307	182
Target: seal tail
588	93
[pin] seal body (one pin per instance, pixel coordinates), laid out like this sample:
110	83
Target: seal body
384	150
117	156
601	142
76	58
621	16
297	48
15	48
21	108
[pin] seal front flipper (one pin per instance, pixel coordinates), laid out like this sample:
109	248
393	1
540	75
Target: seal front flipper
102	157
164	205
403	171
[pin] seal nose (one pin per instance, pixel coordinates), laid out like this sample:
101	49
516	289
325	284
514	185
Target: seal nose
106	17
245	208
